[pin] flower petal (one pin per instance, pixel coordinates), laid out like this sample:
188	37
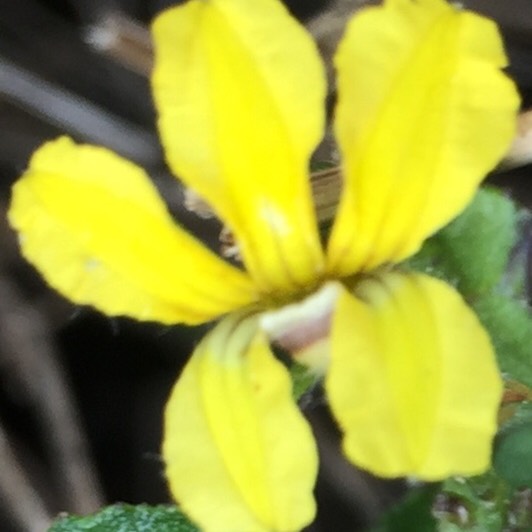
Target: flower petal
239	454
95	227
240	92
413	379
424	112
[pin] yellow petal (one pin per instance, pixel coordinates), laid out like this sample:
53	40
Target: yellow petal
413	379
239	88
96	229
424	113
239	455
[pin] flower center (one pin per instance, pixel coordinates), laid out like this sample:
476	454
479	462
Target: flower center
303	328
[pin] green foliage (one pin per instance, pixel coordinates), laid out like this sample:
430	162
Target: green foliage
413	513
478	504
513	448
303	379
472	252
510	326
513	456
128	518
486	503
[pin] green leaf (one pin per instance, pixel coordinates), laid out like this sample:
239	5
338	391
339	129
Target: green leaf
303	380
413	513
510	326
472	252
477	504
128	518
521	414
513	455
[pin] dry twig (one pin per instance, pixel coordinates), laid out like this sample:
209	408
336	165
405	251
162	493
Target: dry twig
27	348
21	499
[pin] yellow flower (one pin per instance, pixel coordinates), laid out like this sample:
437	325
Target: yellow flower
423	113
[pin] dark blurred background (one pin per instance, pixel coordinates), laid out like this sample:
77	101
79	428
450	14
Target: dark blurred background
81	395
